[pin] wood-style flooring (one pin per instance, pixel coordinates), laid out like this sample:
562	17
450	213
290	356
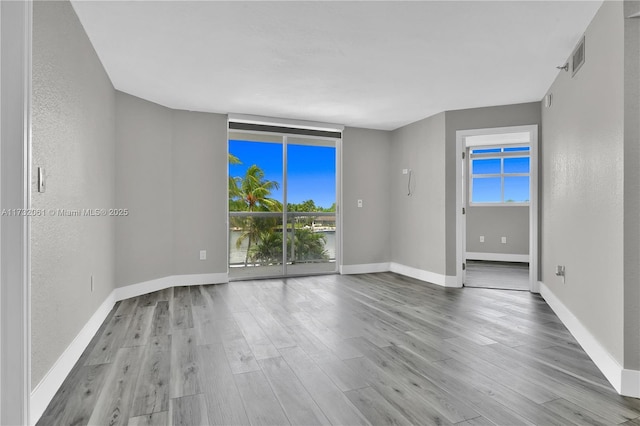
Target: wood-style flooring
376	349
500	275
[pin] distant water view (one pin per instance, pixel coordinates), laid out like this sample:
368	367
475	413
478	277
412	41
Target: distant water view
237	255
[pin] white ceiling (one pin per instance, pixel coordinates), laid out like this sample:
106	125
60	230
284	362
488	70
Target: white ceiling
378	65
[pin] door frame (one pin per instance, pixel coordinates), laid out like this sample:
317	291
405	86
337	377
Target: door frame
15	193
302	125
461	184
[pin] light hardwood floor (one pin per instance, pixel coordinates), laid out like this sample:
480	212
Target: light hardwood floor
500	275
345	350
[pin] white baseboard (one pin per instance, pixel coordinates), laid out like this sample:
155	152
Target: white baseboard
44	392
497	257
157	284
364	268
625	382
422	275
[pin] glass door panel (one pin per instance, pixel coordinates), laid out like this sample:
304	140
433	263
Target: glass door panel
256	247
311	206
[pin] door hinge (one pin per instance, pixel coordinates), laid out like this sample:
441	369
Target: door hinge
464	266
463	154
464	211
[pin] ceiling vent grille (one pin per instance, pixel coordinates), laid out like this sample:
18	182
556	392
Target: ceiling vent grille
577	58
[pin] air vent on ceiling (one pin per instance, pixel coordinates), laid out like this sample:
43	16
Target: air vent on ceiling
577	57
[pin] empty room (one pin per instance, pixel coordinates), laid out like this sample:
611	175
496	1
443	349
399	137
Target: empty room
320	212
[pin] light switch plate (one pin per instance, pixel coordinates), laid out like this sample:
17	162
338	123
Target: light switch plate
203	255
504	240
41	181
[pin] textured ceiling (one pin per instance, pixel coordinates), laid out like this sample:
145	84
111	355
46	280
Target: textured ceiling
378	65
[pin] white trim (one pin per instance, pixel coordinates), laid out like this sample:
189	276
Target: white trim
134	290
43	393
461	136
365	268
625	382
15	247
422	275
273	121
497	257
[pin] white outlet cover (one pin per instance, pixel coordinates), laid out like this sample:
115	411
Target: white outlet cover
504	240
405	171
203	255
482	238
359	203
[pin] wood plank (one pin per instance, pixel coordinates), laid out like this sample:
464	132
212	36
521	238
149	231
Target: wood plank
335	405
181	315
260	403
110	342
298	405
113	405
140	328
224	404
151	393
155	419
375	408
184	365
75	404
160	325
259	343
241	359
188	411
574	413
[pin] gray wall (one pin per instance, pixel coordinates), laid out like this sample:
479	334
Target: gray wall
144	185
365	176
74	139
418	221
475	118
172	168
582	183
497	222
199	192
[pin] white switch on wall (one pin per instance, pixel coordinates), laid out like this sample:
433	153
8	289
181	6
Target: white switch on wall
482	238
504	240
359	204
203	255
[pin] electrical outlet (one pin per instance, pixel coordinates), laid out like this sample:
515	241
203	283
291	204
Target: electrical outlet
405	171
359	204
504	240
203	255
482	238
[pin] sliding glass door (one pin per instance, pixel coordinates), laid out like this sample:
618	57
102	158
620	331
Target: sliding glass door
282	205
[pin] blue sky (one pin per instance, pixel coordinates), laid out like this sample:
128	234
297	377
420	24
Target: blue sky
311	174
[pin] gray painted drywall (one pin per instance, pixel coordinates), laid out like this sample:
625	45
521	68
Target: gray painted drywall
631	186
497	222
73	137
199	192
365	176
582	183
172	168
475	118
418	221
144	186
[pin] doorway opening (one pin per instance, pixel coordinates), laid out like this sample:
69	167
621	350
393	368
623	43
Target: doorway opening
283	192
497	215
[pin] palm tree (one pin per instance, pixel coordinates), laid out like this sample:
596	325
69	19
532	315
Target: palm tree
268	249
309	245
251	193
